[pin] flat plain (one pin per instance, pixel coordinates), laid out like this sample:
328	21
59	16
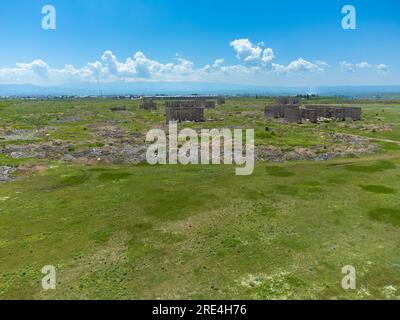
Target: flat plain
78	196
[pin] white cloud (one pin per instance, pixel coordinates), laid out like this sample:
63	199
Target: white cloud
256	66
38	67
250	53
353	67
382	68
300	66
346	67
363	65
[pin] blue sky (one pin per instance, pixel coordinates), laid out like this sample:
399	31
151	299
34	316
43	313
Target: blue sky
205	41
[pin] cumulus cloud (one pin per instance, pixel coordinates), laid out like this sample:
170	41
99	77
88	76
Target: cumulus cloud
346	67
38	67
300	66
256	62
382	68
353	67
363	65
250	53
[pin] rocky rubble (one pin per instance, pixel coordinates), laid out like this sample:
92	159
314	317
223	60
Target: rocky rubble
119	146
108	131
59	150
121	154
47	150
6	174
19	135
346	145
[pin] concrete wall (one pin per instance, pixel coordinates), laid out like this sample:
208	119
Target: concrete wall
292	113
309	114
221	101
148	105
196	103
181	114
336	112
209	104
185	110
271	112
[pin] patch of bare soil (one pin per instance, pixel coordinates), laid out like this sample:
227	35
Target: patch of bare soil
28	169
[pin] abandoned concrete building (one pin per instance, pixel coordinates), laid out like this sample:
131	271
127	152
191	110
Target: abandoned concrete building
336	112
281	101
148	104
312	113
185	110
221	101
209	104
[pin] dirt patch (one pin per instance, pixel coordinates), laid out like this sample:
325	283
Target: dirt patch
31	168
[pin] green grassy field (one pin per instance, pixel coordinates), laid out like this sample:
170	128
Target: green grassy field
200	232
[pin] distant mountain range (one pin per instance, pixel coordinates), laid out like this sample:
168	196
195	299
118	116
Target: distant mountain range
171	88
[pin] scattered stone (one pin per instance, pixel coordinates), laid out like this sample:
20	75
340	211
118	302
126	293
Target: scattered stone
347	145
47	150
121	154
108	131
20	135
6	174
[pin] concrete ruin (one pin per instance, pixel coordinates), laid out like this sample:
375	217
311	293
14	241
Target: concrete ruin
281	101
185	110
209	104
293	114
148	104
313	113
221	101
336	112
